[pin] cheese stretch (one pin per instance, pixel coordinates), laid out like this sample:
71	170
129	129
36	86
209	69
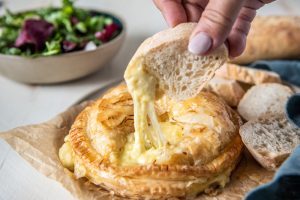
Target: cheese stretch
142	87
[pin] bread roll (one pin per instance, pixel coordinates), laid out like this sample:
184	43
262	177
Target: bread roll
264	99
229	90
247	75
270	139
270	38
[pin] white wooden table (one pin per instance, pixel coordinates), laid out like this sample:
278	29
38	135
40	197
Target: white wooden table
26	104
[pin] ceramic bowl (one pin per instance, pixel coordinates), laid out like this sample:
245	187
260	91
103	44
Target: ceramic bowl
64	67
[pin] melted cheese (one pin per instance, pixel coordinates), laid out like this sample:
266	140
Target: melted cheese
142	86
173	134
65	155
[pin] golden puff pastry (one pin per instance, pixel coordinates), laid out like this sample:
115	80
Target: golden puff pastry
203	146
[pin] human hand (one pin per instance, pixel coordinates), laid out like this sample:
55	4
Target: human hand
219	21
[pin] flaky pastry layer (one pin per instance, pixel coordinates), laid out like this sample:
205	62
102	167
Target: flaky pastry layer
203	146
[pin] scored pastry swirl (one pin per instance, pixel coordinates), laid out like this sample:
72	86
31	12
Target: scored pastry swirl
203	146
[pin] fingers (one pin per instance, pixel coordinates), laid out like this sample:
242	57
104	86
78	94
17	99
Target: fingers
194	9
238	35
236	40
266	1
214	25
218	21
172	10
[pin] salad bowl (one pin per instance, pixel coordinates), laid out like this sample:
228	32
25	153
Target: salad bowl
54	65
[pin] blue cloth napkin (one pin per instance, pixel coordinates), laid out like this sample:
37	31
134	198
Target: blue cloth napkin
293	109
289	70
286	182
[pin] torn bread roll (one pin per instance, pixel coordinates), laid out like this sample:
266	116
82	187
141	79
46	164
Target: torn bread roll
272	37
180	74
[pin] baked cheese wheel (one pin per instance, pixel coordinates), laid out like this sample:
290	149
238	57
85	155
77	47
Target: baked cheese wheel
203	146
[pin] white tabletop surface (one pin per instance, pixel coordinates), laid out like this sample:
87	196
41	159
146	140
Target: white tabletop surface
26	104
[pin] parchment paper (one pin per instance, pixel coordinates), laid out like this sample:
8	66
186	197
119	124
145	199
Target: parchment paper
39	145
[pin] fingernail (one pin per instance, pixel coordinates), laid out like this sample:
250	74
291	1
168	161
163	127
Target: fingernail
200	43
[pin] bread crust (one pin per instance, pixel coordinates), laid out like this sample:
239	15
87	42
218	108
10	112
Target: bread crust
247	75
155	181
229	90
272	37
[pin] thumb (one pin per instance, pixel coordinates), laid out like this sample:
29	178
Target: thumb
214	25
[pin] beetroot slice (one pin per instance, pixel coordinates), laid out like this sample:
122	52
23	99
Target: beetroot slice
35	32
74	20
107	33
69	46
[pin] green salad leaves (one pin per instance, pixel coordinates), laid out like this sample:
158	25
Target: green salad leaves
53	31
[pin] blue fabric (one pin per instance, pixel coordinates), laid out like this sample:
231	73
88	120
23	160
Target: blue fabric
286	182
293	109
289	70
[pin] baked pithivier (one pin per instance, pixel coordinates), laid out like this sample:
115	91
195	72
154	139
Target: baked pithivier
200	150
